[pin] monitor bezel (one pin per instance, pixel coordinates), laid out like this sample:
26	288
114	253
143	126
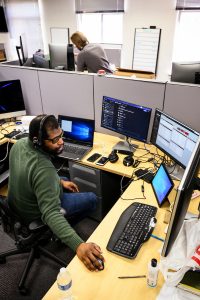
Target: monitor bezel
159	147
170	189
132	104
182	200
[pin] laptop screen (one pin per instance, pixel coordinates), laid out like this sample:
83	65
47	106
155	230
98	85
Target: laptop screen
77	130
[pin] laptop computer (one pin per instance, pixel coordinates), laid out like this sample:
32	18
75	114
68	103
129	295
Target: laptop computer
78	136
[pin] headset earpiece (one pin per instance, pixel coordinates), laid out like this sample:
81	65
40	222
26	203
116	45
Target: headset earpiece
35	141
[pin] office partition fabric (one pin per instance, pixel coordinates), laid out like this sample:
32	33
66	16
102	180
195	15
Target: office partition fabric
182	101
66	93
30	86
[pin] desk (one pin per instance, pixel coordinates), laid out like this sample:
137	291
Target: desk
105	284
137	74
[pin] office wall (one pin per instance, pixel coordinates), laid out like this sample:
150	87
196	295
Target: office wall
146	93
67	93
182	101
61	13
30	86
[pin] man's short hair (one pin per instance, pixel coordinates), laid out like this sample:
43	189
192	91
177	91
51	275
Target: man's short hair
40	126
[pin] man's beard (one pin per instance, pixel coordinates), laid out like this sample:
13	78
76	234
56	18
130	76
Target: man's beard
53	151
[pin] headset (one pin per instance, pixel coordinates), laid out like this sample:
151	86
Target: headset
37	141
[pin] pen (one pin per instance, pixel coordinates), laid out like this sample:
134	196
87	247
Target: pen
157	238
138	276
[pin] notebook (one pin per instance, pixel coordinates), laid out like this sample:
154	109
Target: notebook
78	136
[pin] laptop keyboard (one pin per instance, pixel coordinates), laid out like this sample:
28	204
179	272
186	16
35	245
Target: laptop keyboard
73	149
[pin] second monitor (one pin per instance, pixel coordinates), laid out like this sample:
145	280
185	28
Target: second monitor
61	57
128	119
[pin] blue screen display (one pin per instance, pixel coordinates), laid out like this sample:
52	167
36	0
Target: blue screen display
77	129
162	184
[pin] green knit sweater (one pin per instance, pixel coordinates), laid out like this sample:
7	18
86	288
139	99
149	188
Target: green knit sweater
34	190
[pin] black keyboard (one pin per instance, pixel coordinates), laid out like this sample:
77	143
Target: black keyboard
73	149
133	228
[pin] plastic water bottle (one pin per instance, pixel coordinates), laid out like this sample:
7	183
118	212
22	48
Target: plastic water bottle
64	283
152	275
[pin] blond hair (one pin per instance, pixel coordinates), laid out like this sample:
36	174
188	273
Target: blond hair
79	39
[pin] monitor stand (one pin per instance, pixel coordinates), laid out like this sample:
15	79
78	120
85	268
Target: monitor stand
125	146
177	173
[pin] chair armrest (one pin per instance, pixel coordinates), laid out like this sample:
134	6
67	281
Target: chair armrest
37	225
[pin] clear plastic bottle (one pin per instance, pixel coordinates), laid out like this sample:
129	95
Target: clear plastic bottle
152	275
64	283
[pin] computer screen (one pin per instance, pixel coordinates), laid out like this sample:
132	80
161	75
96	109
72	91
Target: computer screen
61	57
77	129
186	72
173	137
128	119
24	47
11	99
182	200
162	184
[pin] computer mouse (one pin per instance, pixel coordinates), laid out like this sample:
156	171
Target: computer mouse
102	264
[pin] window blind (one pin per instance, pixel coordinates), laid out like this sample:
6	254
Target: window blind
99	6
188	5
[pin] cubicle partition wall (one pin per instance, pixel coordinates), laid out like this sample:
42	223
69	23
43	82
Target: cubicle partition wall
146	93
67	93
182	101
30	86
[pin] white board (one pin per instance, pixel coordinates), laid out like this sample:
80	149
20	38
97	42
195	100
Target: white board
146	47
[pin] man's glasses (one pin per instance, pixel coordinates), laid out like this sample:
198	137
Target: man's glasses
56	139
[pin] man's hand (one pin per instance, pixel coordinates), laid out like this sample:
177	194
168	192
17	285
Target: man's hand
69	185
89	253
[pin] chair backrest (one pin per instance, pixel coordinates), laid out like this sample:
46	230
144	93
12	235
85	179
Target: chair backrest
25	235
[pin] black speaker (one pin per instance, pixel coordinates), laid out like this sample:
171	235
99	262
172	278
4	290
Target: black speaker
113	157
128	160
70	58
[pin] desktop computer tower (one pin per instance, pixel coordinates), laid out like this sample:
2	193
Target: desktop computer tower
104	184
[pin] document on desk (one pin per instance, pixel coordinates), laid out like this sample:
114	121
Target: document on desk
146	48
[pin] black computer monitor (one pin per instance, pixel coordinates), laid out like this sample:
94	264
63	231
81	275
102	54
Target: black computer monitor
3	23
182	200
11	99
174	138
186	72
128	119
22	50
61	57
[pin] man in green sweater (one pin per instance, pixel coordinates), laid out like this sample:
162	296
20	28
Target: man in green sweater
36	191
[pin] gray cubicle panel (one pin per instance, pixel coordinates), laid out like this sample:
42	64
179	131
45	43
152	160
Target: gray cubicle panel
67	93
182	101
30	86
143	92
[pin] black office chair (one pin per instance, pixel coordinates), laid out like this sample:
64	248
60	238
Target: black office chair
27	239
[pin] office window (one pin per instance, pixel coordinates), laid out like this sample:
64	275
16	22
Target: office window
23	18
187	42
101	27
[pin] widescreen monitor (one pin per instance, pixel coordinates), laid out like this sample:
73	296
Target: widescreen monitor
182	200
128	119
186	72
174	138
11	99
